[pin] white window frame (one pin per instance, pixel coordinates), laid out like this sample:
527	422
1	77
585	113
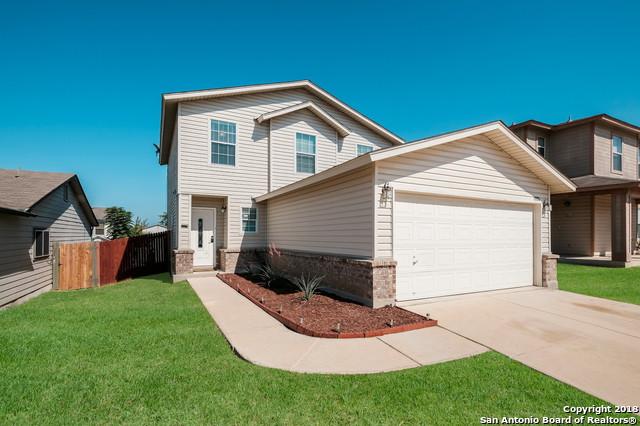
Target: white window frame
365	146
42	231
544	146
211	142
242	231
614	153
295	154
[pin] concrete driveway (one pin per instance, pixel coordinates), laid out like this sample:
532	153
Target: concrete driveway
590	343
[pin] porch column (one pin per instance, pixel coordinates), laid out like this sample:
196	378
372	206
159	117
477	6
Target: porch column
620	226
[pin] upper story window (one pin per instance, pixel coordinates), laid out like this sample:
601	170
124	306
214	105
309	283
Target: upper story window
249	219
223	142
41	245
616	153
638	160
542	146
305	153
65	193
363	149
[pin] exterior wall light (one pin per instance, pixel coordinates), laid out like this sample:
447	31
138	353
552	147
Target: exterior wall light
386	194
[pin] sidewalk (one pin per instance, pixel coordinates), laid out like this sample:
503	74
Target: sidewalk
262	340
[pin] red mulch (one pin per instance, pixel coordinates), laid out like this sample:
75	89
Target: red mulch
321	315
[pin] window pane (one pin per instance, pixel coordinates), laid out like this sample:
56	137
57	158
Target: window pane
617	162
199	233
249	219
45	243
305	163
305	143
363	149
223	131
38	235
617	144
223	154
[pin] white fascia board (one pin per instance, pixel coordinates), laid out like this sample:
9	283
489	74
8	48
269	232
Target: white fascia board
322	114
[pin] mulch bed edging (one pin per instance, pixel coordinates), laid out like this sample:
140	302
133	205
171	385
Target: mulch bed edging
303	329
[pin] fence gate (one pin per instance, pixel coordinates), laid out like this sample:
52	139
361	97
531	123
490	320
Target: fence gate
76	266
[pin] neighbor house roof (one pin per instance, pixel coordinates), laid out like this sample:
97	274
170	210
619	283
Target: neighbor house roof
100	213
594	183
170	103
605	118
496	131
22	190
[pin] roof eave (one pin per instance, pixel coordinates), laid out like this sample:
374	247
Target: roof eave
169	100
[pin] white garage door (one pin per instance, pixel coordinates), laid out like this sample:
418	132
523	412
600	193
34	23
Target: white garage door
449	246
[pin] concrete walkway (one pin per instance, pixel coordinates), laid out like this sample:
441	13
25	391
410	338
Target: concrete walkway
262	340
588	342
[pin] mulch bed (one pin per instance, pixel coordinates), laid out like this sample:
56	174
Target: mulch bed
321	315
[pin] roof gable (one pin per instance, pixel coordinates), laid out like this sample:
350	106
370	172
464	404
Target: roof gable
22	190
496	132
315	109
170	102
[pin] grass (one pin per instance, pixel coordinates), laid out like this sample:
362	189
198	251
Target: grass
146	352
621	284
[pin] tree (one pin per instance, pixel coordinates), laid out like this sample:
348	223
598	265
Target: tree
118	222
138	226
163	220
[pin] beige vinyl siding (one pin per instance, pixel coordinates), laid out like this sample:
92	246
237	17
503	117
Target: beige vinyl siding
531	138
570	150
20	274
283	145
184	223
603	166
334	217
172	191
602	224
571	224
249	178
473	168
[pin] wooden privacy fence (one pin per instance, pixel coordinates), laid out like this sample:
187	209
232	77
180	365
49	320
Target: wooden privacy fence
91	264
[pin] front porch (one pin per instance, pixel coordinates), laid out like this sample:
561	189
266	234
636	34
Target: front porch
597	225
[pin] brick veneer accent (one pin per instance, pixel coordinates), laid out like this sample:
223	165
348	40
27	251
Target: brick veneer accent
236	260
550	270
370	282
181	262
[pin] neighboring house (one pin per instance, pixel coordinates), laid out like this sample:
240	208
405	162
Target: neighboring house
600	154
288	170
37	209
154	229
100	232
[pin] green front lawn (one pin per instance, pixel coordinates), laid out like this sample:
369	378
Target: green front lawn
147	352
611	283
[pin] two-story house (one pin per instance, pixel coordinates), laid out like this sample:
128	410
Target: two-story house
600	154
288	173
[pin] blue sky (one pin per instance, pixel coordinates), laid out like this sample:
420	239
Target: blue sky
81	83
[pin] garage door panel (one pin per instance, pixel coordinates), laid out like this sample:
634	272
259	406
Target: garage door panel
449	246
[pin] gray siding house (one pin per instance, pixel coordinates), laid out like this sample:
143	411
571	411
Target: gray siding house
290	173
36	210
601	155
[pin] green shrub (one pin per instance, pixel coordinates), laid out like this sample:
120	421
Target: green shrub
308	285
266	274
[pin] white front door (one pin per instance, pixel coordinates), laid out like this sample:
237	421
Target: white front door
449	246
203	236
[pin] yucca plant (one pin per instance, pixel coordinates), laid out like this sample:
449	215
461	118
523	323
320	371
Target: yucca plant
266	274
308	285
